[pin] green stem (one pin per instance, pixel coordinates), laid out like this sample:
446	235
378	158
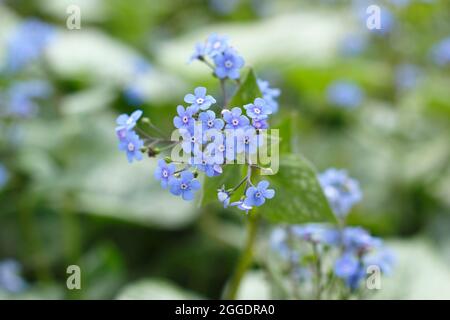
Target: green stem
245	259
318	266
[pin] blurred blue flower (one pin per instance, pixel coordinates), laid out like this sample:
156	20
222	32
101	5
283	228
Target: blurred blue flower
223	7
345	94
216	44
4	176
132	145
407	76
316	233
128	122
163	172
441	52
387	19
353	44
19	98
185	186
133	95
200	51
259	109
256	196
27	43
235	119
223	197
199	100
341	191
247	140
10	279
260	124
270	95
228	64
209	121
184	119
359	240
383	258
346	266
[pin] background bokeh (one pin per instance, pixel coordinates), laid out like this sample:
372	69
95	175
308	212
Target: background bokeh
376	103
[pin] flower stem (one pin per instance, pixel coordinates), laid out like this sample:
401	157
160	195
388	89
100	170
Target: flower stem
245	260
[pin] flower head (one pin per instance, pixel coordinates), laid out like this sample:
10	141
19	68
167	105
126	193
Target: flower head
359	240
350	270
209	121
315	233
184	119
341	191
128	122
247	140
20	97
132	145
259	109
260	124
204	162
164	172
228	64
234	118
192	138
216	44
200	50
256	196
185	186
223	197
199	100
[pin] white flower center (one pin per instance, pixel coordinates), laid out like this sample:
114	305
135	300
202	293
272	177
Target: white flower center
129	120
200	100
228	64
185	119
257	110
204	162
131	147
193	139
246	140
235	122
210	123
258	194
221	148
165	173
216	45
183	186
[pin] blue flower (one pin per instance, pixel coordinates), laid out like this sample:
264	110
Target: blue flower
192	138
440	52
341	191
259	109
10	279
132	145
407	76
185	186
27	43
205	163
128	122
269	94
184	119
4	176
353	44
350	270
260	124
241	205
209	121
383	258
164	172
248	141
316	233
199	100
228	64
345	94
200	51
235	119
216	44
278	242
221	148
356	239
256	196
21	95
223	197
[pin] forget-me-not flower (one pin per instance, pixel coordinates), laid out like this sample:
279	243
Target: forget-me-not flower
209	121
345	94
259	109
163	172
199	100
132	145
247	140
256	196
185	186
128	122
235	119
228	64
184	120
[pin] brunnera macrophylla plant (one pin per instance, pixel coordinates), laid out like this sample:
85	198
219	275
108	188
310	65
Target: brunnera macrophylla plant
210	136
324	261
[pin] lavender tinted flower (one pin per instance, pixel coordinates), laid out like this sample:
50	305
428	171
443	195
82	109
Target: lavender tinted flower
259	109
199	100
192	138
125	122
260	124
132	145
184	120
228	64
185	186
209	121
205	163
234	119
216	44
224	197
241	205
256	196
164	172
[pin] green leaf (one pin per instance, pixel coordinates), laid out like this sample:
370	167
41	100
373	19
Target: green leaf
298	195
231	176
247	91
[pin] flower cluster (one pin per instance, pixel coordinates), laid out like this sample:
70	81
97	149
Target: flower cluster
227	62
346	252
208	139
10	278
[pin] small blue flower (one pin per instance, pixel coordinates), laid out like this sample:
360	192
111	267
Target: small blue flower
223	197
440	52
235	119
21	95
241	205
128	122
383	258
259	109
350	270
216	44
209	121
164	172
407	76
228	64
185	186
4	176
247	140
260	124
221	148
184	119
316	233
270	95
192	138
10	279
256	196
27	43
132	145
345	94
199	100
200	51
341	191
358	240
205	163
